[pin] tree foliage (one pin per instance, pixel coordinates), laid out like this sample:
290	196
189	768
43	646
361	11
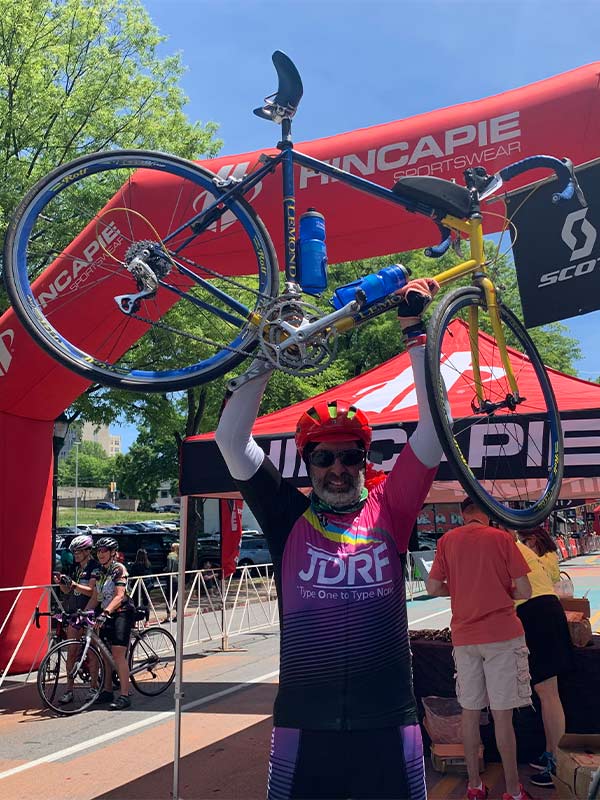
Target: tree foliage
86	465
78	76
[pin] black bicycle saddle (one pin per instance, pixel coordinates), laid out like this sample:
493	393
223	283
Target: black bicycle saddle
438	193
283	104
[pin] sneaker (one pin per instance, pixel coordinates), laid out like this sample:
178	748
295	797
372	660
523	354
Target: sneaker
66	698
524	795
543	779
120	703
541	762
104	697
477	794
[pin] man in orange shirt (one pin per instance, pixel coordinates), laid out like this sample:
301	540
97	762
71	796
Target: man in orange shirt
483	573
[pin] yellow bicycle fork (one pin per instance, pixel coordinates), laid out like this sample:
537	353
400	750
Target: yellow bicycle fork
477	264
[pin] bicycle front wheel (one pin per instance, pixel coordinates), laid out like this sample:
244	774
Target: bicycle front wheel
505	449
152	661
64	660
132	269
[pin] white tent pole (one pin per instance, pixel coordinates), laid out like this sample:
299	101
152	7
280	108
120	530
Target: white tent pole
180	633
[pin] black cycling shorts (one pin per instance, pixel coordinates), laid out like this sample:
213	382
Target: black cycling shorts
117	629
378	764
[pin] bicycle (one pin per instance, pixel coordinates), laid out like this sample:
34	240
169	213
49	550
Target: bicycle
153	279
151	662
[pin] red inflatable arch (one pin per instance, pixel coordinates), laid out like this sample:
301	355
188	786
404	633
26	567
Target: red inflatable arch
558	116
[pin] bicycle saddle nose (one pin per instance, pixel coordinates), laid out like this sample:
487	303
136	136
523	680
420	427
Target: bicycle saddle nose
284	102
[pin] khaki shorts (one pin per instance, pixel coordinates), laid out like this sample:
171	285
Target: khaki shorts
494	674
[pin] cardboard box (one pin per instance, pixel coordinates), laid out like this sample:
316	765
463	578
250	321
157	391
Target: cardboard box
577	758
451	758
576	604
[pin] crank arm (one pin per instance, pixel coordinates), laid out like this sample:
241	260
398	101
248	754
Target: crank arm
306	331
255	370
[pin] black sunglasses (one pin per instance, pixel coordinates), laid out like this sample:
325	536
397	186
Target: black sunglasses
326	458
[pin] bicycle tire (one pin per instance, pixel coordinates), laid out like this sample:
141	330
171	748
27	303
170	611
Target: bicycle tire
152	661
64	265
52	677
502	446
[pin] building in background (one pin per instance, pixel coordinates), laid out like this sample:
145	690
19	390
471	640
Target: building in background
88	432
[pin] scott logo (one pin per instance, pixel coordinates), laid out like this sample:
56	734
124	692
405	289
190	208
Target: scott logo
6	340
587	229
584	250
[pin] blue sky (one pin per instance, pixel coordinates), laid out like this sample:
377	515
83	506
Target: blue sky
365	62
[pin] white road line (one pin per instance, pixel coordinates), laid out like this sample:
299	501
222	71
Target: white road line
422	619
135	726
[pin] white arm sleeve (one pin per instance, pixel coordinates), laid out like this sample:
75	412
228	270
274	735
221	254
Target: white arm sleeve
233	436
424	441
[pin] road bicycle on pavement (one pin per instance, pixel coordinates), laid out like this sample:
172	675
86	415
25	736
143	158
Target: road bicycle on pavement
151	662
150	289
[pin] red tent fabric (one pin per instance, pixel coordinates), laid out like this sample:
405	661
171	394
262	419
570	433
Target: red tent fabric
387	394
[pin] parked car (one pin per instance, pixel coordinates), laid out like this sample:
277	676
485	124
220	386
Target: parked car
165	508
168	524
156	544
253	550
107	506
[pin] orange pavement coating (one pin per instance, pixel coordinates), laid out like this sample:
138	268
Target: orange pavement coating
224	750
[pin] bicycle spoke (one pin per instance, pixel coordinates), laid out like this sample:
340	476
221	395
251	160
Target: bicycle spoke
152	661
126	290
493	448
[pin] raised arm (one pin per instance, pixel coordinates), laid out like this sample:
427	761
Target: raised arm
233	436
418	293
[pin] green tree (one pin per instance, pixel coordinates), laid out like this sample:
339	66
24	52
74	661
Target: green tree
79	76
93	466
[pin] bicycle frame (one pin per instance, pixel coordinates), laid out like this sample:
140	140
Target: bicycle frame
342	320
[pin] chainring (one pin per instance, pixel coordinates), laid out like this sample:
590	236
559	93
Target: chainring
304	359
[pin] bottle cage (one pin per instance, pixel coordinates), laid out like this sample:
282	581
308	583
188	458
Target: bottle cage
283	104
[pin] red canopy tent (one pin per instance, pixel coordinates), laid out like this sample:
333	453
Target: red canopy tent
387	394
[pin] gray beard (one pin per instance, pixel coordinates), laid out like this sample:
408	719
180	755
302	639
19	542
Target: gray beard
337	499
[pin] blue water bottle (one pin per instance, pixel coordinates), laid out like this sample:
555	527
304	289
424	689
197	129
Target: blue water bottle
312	255
374	287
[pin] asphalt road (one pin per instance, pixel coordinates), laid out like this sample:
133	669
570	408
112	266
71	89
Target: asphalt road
225	728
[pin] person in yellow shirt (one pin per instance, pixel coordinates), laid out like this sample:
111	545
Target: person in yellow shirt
544	547
550	654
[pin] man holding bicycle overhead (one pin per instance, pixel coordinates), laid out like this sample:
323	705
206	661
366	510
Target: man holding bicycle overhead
115	618
345	719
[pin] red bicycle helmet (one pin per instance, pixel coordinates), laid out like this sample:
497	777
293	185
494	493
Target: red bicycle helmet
331	421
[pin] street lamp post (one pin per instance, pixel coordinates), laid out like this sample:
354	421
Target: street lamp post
76	446
61	426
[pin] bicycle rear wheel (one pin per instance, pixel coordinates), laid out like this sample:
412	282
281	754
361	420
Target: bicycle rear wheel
52	677
507	455
152	661
129	268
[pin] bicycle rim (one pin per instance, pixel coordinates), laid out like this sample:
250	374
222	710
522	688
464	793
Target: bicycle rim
104	269
152	661
508	459
53	675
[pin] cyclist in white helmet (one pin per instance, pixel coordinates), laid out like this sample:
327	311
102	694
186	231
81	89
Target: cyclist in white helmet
76	595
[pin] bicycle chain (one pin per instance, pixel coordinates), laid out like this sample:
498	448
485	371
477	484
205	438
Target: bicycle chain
226	278
261	355
194	337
